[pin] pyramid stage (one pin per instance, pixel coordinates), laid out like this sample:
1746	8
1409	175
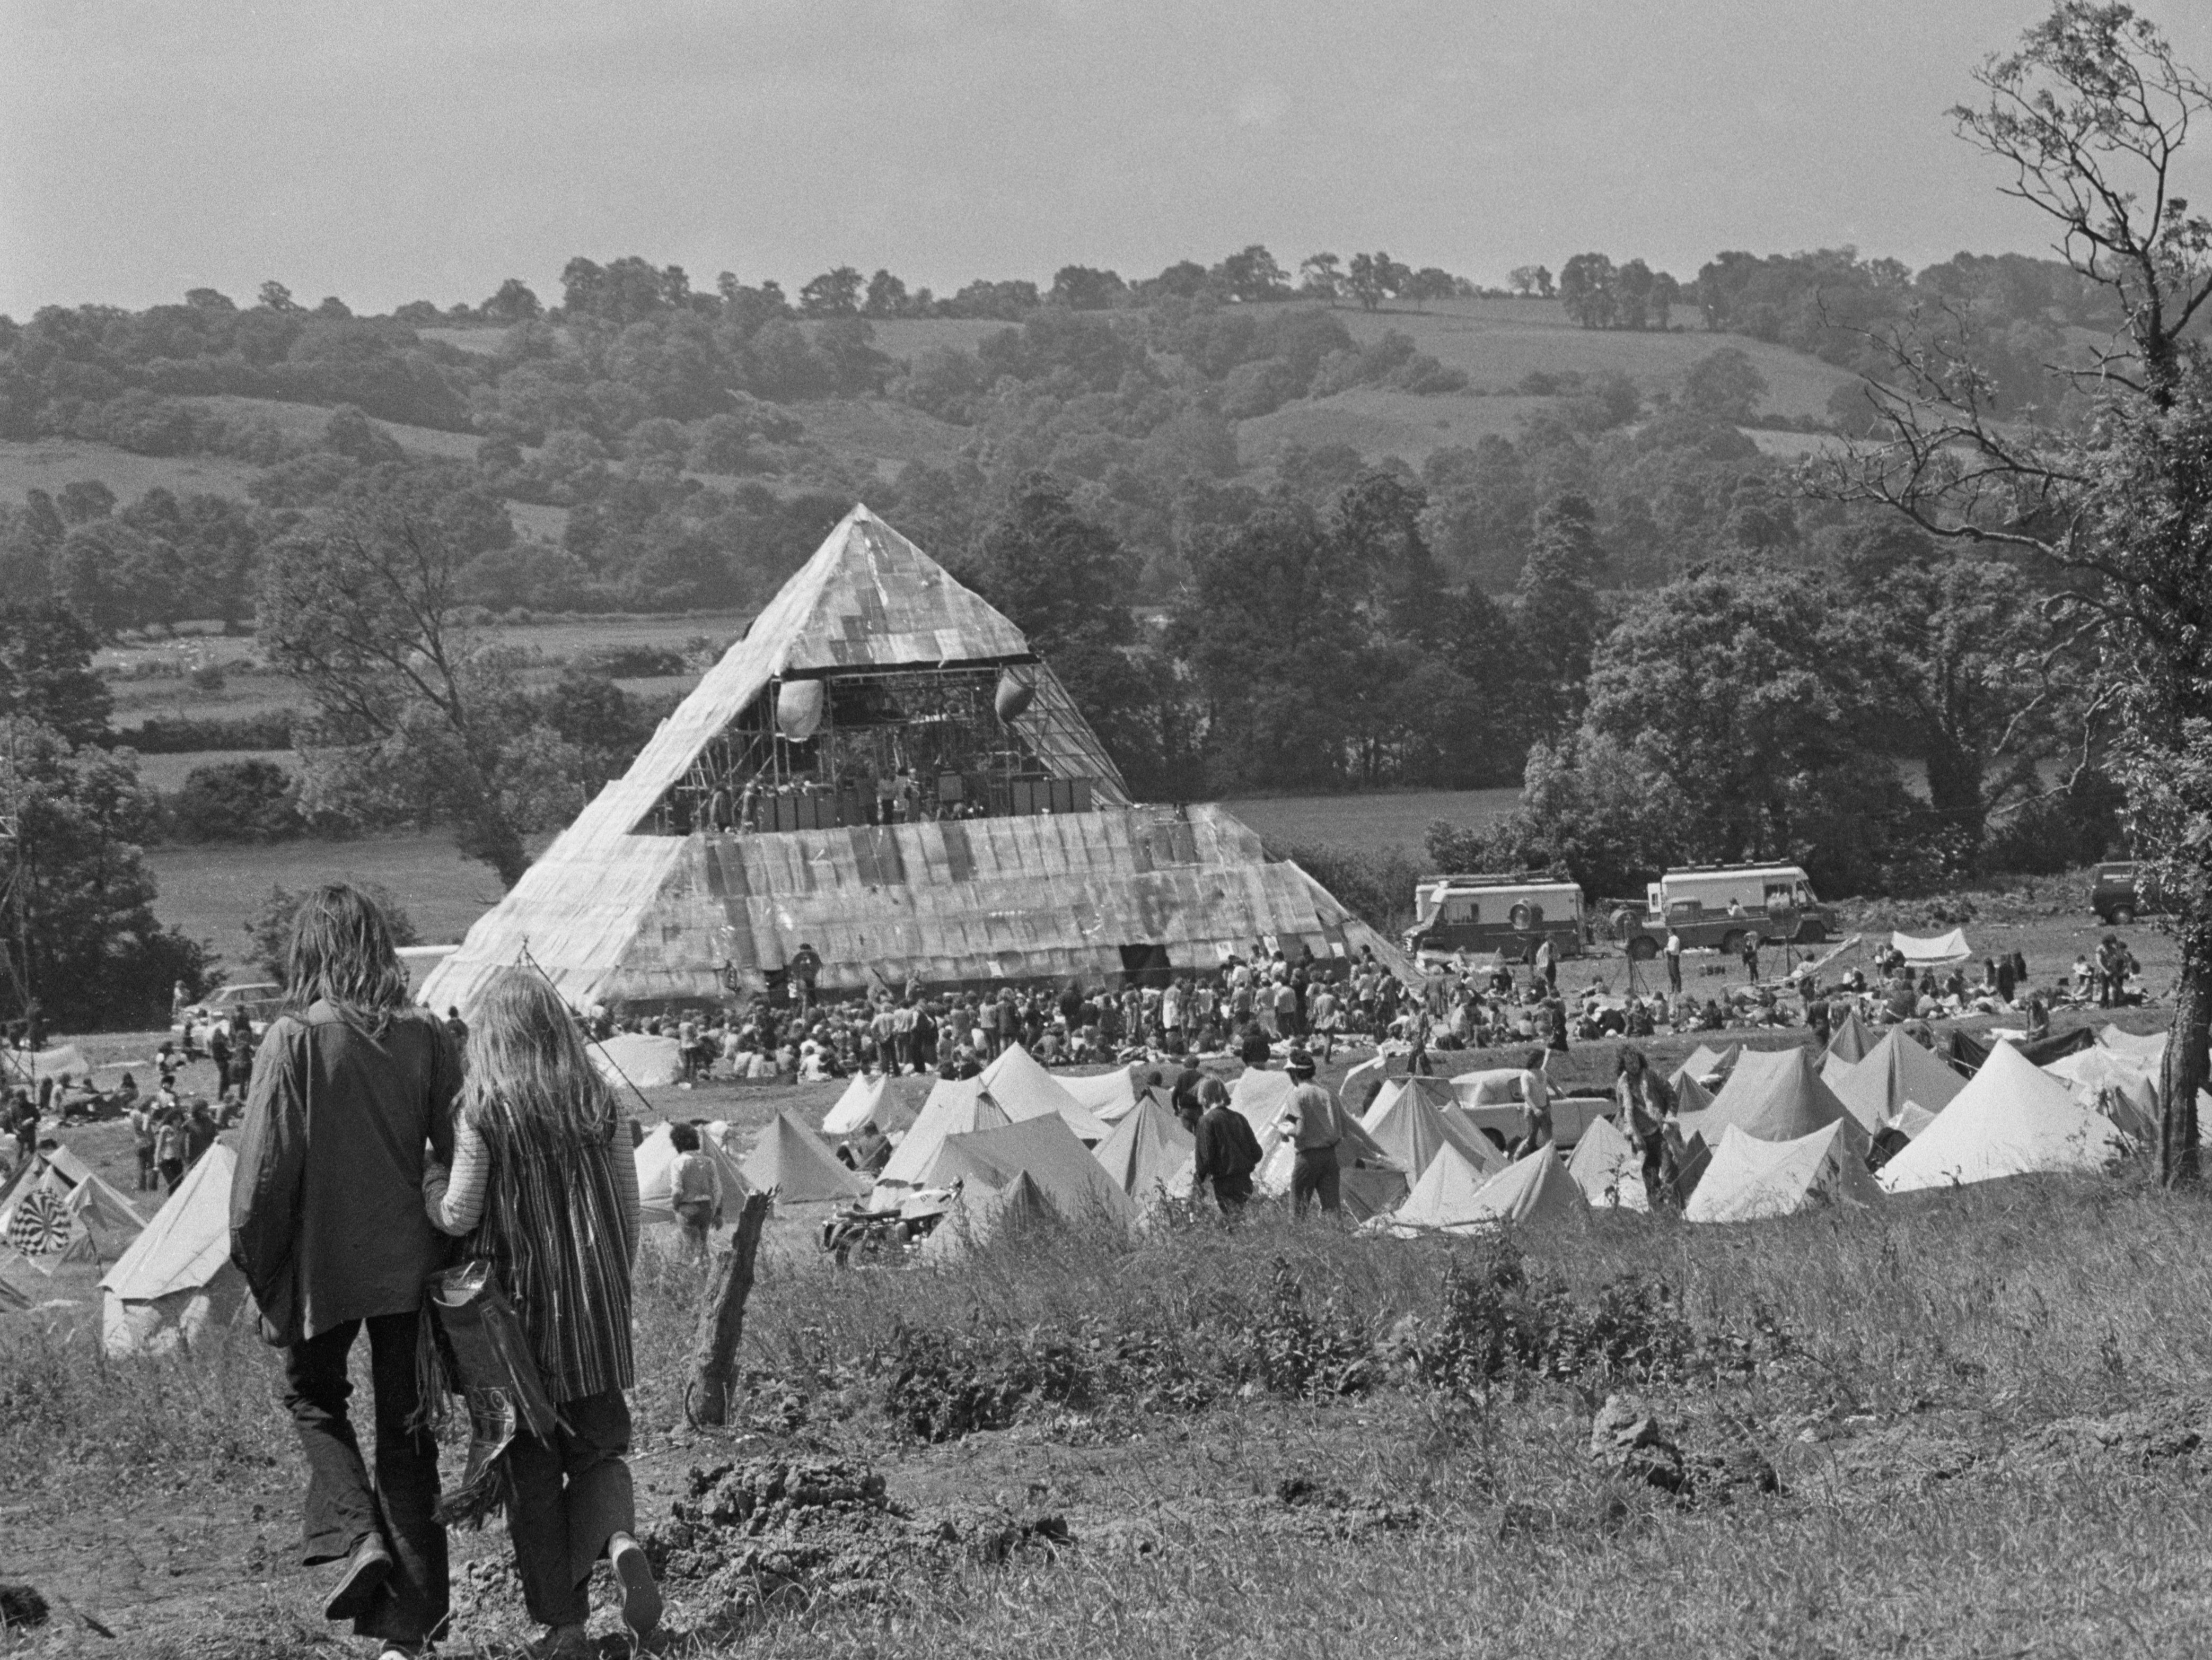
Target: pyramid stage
882	769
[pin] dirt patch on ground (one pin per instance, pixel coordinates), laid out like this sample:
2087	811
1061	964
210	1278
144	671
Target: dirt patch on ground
764	1531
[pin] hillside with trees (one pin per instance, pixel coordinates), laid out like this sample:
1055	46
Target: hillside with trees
1355	526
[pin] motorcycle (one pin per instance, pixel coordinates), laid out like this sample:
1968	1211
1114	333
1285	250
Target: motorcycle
858	1234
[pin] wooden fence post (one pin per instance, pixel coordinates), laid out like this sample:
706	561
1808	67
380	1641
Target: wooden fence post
722	1321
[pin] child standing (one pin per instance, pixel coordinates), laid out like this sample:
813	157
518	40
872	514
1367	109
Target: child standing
696	1190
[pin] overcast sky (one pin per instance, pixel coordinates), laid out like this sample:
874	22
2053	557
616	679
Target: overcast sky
386	152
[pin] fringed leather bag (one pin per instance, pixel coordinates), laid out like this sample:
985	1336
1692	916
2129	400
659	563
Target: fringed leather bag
475	1341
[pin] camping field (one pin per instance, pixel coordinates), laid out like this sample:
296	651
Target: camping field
1852	1432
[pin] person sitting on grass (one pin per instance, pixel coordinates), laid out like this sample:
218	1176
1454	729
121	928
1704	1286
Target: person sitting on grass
544	1185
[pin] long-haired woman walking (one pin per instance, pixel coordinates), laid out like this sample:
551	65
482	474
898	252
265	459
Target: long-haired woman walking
544	1180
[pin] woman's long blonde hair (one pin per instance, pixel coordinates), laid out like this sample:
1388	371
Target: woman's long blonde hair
530	1081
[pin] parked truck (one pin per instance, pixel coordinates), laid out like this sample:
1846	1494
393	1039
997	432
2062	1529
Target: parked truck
1508	914
1719	907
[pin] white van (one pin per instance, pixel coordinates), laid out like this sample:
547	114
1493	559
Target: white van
1722	905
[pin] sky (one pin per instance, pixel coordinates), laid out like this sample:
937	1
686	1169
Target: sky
388	152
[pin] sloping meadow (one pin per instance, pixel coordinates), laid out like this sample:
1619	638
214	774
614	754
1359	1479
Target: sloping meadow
1847	1432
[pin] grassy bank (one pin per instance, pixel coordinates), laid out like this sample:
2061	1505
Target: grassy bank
1885	1428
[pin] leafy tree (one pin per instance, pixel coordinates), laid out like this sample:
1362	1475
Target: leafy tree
1724	386
1530	279
514	302
94	954
276	297
1322	276
362	606
2090	118
1727	683
887	295
1374	278
237	801
834	293
1632	284
45	673
1587	291
1080	287
1252	274
1557	613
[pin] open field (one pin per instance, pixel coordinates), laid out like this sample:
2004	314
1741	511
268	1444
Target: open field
1879	1429
1399	819
208	892
48	464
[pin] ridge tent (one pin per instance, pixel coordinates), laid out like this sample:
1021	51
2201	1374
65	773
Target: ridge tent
1148	1153
23	1068
1691	1096
1895	1071
1772	1094
955	1107
877	1098
1921	953
1910	1120
2010	1120
1702	1063
982	1213
1261	1095
1026	1090
1072	1182
1409	1127
640	1058
2147	1047
656	1158
1749	1179
1971	1053
1108	1096
1851	1039
177	1278
1355	1092
799	1164
1453	1197
1608	1169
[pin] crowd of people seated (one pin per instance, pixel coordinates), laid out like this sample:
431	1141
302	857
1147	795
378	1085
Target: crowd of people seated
1250	1007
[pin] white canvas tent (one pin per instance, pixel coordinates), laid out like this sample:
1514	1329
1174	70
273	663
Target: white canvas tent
647	1061
1019	1083
798	1166
1895	1071
1453	1197
2011	1119
21	1068
873	1097
1408	1126
956	1106
1608	1169
1107	1095
1149	1153
1072	1182
1749	1179
1927	954
176	1280
983	1214
1773	1094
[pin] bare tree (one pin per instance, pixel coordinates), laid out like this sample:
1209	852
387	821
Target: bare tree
2090	117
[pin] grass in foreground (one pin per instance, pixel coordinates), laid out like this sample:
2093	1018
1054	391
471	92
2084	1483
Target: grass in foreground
1256	1450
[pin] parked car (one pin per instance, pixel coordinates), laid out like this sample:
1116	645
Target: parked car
1722	906
2123	891
1510	915
260	999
